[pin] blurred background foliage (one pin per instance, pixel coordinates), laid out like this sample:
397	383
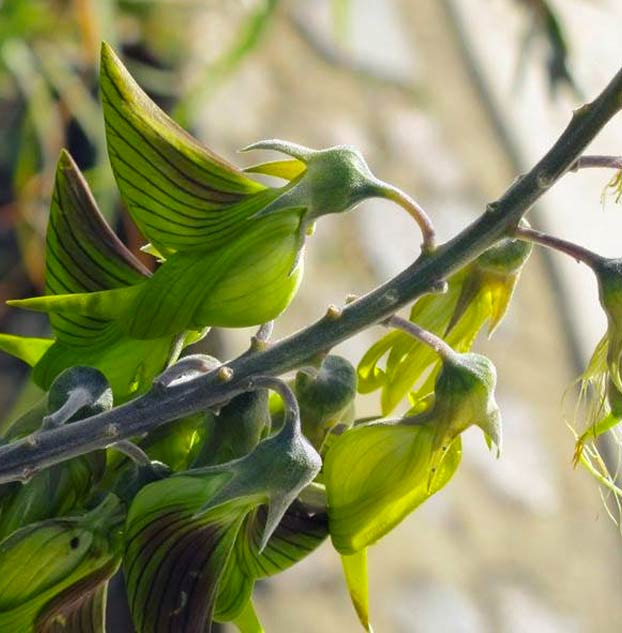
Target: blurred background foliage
425	89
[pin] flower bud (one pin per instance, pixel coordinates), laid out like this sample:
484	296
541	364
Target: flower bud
237	429
464	396
324	395
62	488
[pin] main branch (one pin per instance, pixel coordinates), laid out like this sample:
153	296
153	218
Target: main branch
21	459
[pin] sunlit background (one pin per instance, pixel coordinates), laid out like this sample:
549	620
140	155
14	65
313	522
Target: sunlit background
450	100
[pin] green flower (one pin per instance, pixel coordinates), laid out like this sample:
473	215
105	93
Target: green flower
479	293
55	573
84	255
231	247
601	382
377	474
197	540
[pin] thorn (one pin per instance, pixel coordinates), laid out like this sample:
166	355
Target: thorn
390	297
27	474
350	298
544	180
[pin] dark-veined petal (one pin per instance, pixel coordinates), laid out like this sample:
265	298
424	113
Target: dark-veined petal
180	194
47	568
181	531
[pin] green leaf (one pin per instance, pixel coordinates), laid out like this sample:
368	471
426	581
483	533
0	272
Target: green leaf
178	192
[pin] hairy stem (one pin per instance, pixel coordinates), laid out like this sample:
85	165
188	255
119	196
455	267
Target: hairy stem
158	406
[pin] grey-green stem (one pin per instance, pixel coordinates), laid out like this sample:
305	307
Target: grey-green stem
156	407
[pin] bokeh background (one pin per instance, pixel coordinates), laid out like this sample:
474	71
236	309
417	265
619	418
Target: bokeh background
448	99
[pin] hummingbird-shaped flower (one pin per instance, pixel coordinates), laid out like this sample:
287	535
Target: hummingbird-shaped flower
83	255
197	540
231	246
367	499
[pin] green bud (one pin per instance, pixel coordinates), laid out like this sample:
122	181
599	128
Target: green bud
333	180
135	477
76	393
463	397
237	429
85	388
609	275
324	395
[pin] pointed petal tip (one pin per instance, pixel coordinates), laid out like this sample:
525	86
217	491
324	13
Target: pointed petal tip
107	52
65	159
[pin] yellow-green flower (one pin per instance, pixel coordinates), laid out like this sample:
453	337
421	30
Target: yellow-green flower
376	474
601	382
477	294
